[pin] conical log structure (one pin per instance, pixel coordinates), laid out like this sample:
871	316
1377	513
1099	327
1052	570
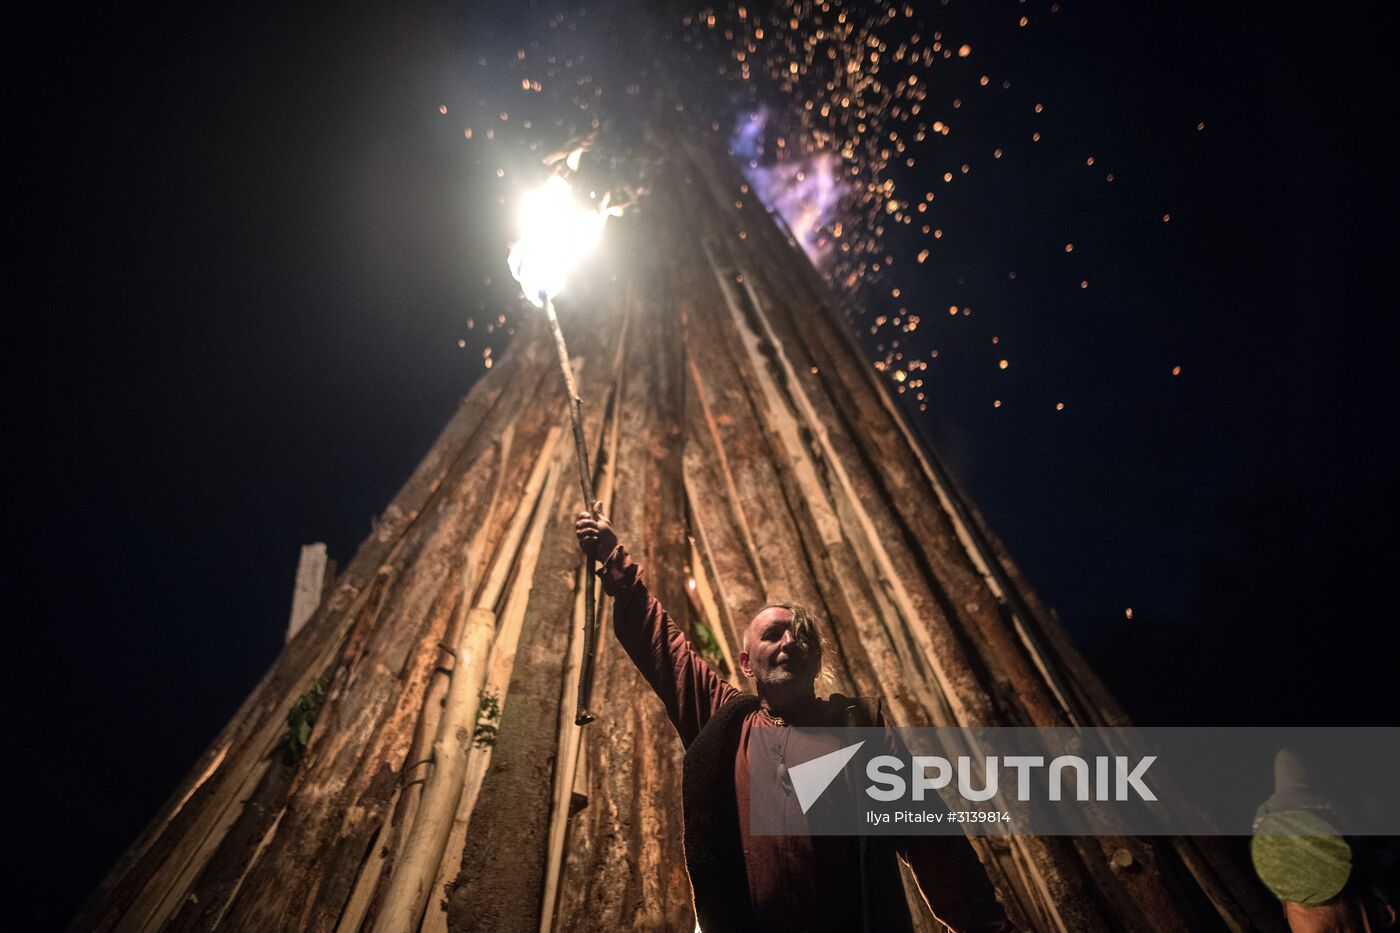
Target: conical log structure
745	450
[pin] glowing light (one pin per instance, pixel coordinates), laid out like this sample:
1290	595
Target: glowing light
556	231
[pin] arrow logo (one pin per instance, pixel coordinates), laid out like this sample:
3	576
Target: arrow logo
811	778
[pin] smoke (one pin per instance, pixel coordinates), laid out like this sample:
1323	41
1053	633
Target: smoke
807	193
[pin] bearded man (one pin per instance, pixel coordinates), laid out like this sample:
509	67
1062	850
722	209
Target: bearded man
743	881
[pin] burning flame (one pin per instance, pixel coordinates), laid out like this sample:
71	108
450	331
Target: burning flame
806	193
556	231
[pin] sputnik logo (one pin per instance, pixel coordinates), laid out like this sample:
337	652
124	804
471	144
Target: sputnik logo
811	778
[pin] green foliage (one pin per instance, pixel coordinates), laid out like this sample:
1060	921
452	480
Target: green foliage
487	721
301	719
708	645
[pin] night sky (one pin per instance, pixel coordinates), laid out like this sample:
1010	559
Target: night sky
254	267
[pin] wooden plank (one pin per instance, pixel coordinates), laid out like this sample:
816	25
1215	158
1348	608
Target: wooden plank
309	586
624	866
570	781
517	790
484	656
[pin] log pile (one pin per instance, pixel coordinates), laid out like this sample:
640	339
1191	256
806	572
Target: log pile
745	450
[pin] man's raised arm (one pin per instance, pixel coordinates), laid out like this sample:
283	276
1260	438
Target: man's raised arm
688	686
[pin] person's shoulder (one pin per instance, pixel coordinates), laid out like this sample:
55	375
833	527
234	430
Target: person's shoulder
855	711
737	698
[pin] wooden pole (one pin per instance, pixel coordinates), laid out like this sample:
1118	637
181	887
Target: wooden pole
582	716
410	883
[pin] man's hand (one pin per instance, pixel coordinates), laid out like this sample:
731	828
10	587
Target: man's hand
596	537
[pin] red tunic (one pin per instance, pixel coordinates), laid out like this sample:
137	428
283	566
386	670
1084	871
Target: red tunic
795	882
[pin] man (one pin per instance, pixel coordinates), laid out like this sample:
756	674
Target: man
751	882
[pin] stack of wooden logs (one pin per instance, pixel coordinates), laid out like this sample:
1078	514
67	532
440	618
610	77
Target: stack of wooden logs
745	450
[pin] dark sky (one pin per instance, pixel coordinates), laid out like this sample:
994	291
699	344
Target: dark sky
244	249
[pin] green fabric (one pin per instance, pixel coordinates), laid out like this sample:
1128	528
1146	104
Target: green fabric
1301	857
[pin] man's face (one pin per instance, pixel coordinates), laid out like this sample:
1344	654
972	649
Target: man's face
775	656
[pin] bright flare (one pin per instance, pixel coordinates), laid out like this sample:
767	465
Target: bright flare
556	231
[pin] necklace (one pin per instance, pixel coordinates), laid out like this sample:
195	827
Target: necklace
781	751
782	769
